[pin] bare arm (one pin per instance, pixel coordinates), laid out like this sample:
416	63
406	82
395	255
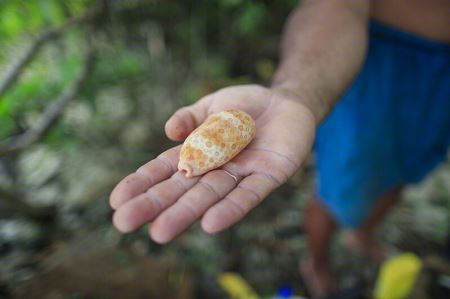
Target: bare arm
323	47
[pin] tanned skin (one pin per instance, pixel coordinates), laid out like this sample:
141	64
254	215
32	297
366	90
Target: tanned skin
323	47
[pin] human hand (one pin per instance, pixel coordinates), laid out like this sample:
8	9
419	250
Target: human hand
160	195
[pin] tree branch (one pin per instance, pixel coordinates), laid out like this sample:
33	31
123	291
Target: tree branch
17	68
54	110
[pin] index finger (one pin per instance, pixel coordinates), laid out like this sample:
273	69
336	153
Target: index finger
146	176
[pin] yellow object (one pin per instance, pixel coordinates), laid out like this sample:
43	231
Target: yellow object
236	286
397	277
215	142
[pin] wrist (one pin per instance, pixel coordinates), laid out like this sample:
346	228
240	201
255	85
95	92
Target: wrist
310	100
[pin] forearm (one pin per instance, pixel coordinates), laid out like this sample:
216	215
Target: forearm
323	47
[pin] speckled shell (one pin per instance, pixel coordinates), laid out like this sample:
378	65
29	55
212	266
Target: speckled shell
221	137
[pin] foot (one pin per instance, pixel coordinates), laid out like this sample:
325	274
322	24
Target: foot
319	279
366	245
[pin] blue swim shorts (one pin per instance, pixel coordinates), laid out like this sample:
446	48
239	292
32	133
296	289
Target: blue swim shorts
391	127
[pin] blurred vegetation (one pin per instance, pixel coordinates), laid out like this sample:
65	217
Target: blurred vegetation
148	58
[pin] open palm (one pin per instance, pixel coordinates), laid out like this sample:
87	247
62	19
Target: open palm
160	195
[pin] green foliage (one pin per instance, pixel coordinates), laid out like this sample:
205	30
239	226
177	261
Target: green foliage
18	17
204	38
7	124
153	56
42	81
251	18
20	21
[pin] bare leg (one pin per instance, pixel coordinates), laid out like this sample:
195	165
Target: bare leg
363	240
319	227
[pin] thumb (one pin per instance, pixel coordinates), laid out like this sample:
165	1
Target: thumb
187	119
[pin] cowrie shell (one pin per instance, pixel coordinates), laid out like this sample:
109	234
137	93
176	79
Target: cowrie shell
215	142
